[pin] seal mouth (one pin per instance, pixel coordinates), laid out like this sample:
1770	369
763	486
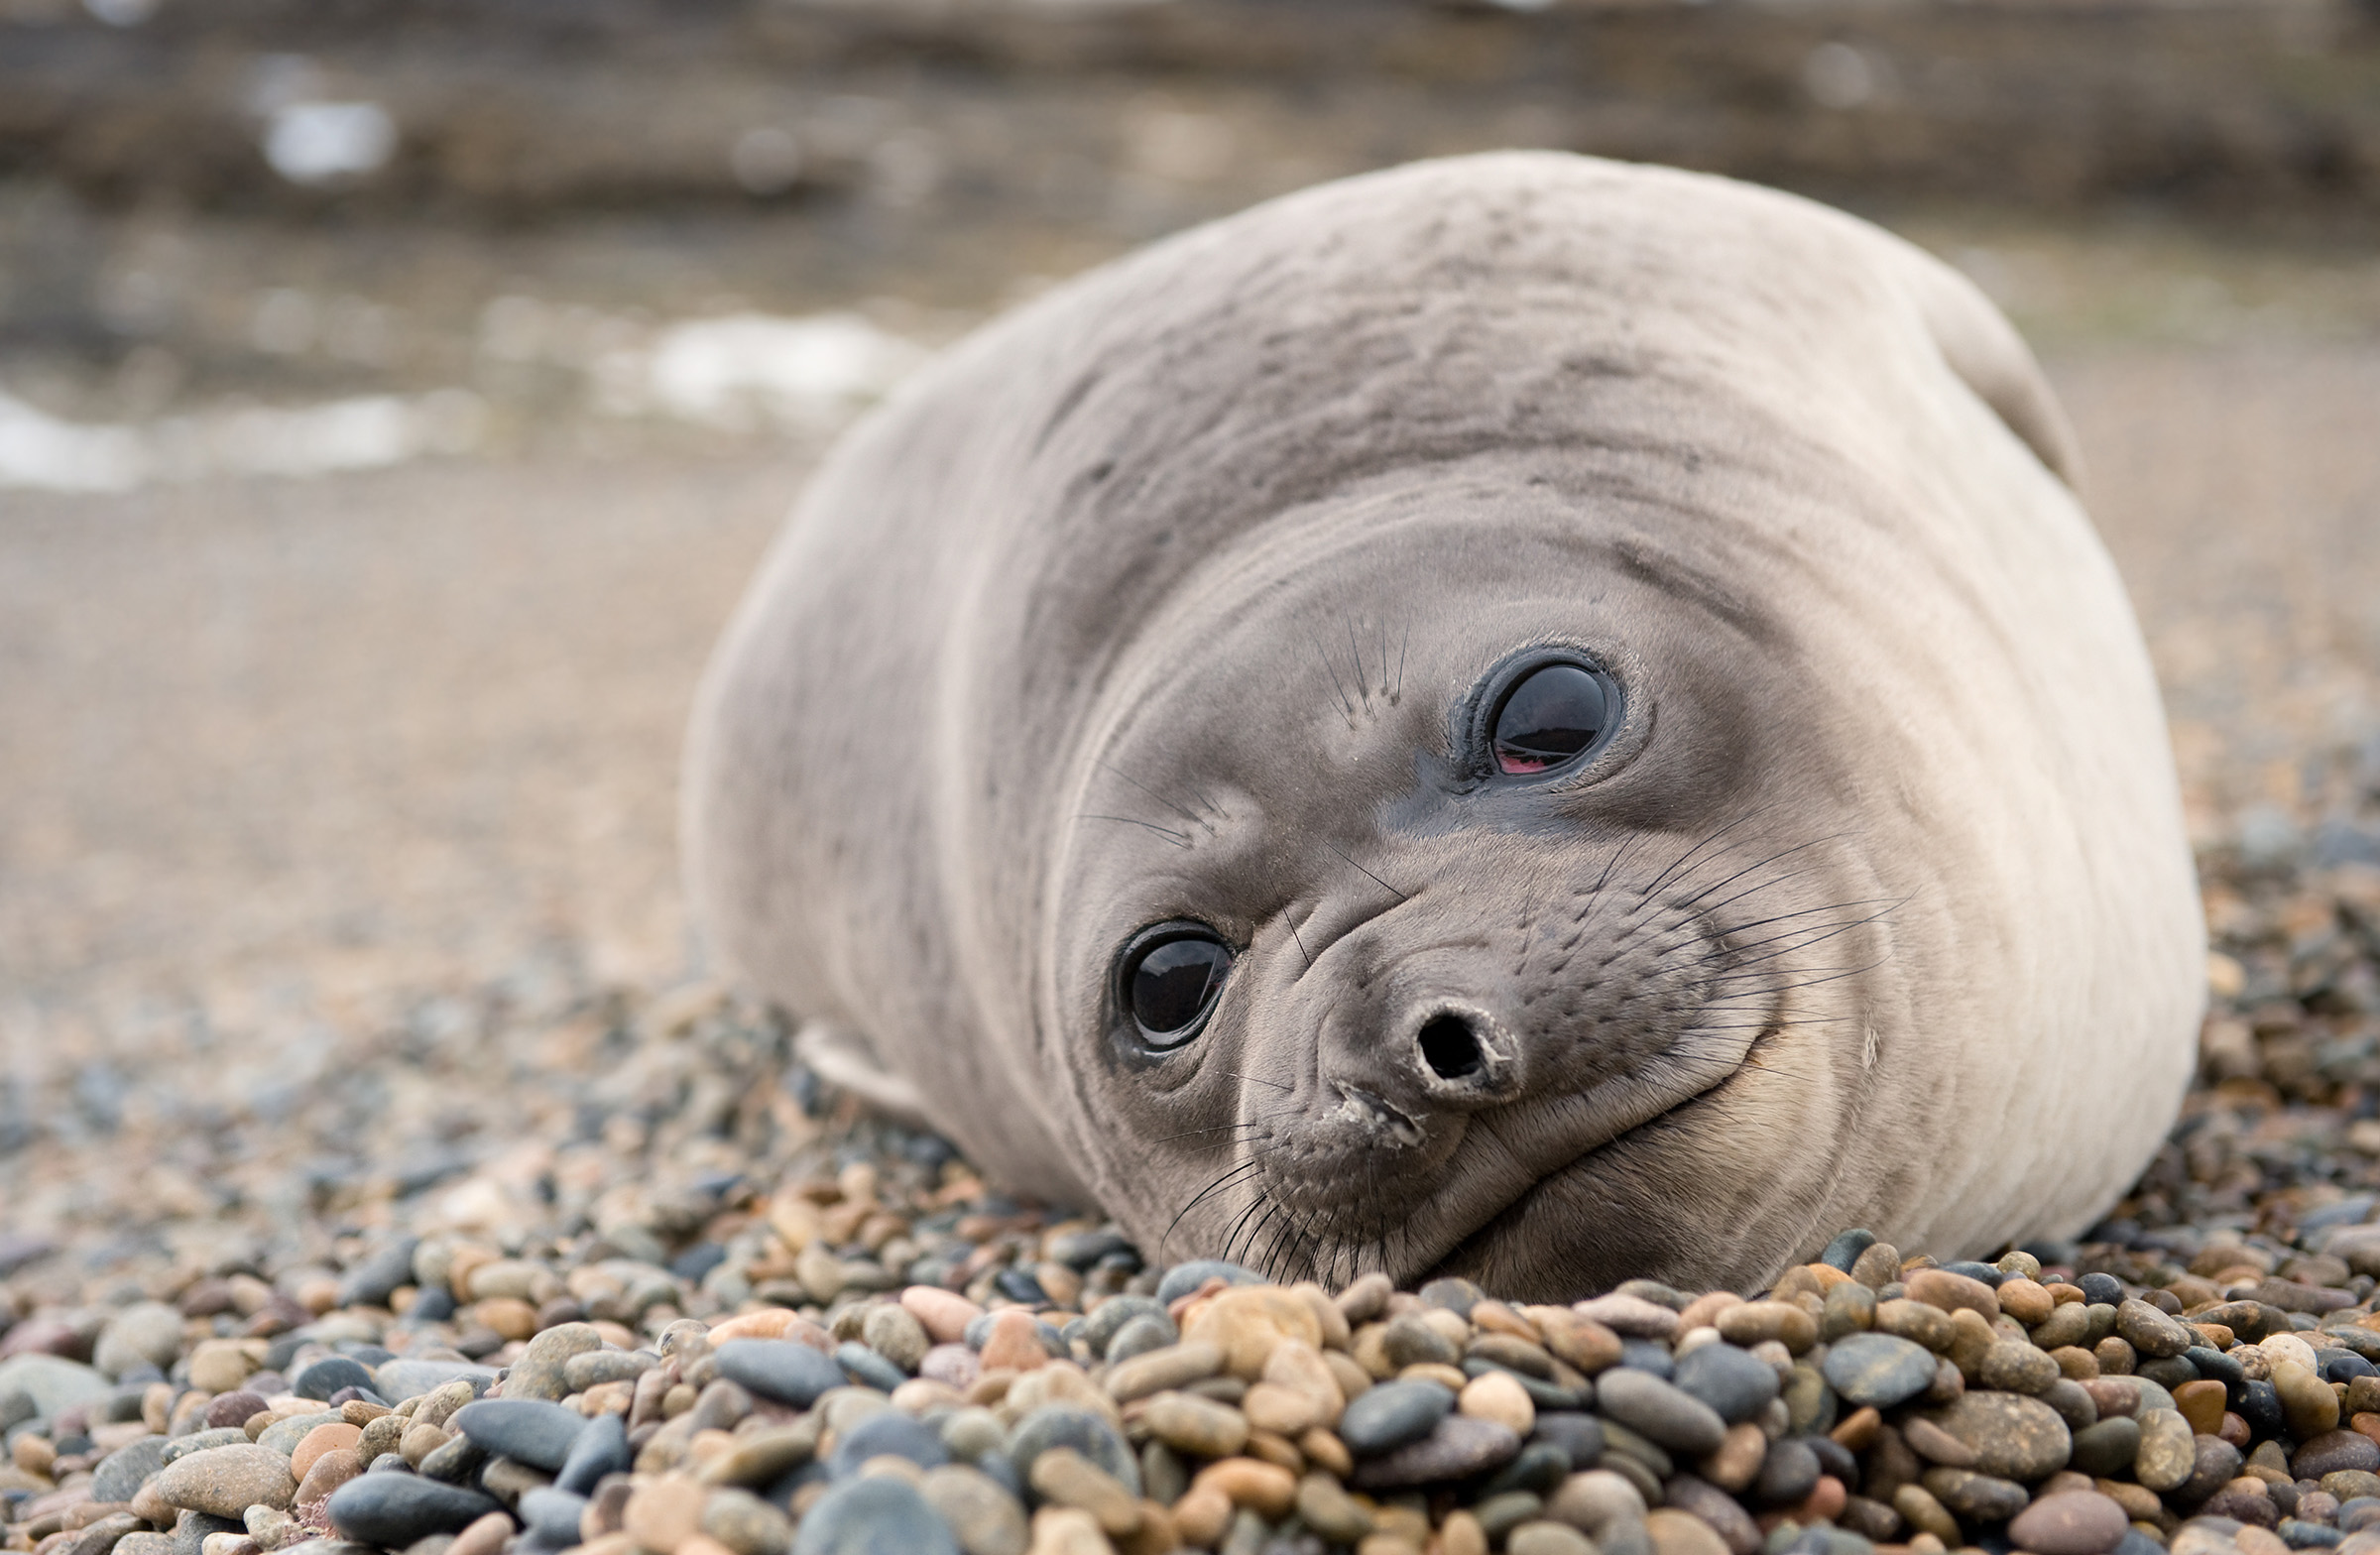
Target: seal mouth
1476	1248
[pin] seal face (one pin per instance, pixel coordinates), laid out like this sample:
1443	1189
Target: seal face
1521	716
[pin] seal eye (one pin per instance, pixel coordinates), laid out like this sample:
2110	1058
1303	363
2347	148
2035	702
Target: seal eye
1550	716
1169	980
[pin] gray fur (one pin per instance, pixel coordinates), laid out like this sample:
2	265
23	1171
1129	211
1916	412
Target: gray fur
1158	598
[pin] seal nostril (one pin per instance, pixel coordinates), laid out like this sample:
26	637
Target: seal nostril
1451	1048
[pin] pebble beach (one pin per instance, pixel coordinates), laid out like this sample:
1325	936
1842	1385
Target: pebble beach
720	1311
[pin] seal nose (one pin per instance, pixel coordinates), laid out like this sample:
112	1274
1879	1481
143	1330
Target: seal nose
1451	1048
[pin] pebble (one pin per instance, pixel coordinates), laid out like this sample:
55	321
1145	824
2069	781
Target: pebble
2168	1451
1499	1398
2071	1522
1675	1532
526	1430
890	1434
1069	1425
1393	1415
1879	1371
784	1370
2011	1436
226	1480
1736	1385
544	1370
123	1471
1457	1447
1659	1411
984	1517
1202	1427
874	1516
394	1509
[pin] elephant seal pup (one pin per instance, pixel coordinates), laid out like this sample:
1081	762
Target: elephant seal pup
1519	717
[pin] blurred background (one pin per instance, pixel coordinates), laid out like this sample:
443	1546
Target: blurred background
395	394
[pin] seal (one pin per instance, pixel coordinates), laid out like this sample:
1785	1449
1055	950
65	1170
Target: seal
1519	717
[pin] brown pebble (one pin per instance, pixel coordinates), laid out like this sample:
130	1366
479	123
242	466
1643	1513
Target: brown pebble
1461	1534
1682	1533
1498	1397
663	1513
2027	1301
327	1473
1268	1489
1066	1476
1014	1343
2201	1404
1938	1287
483	1536
331	1437
1203	1515
1737	1461
1247	1321
1273	1408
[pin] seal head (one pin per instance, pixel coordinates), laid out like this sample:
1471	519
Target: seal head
1520	717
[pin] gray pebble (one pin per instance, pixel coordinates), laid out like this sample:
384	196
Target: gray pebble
1391	1415
1069	1425
394	1509
1659	1411
1732	1381
874	1516
1457	1448
1878	1370
526	1430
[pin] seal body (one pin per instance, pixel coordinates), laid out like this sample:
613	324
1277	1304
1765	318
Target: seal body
1188	607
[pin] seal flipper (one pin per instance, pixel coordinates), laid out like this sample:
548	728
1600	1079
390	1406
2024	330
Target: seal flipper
848	1061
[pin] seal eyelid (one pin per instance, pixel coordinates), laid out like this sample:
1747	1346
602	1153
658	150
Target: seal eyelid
1168	979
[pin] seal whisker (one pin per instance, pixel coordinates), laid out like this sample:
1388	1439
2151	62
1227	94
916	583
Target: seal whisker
1184	812
1400	663
1301	941
1786	853
1654	884
1255	1079
1374	878
1229	1175
1179	839
1337	685
1354	657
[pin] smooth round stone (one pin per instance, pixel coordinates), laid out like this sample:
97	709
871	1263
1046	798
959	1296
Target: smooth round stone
1384	1418
1183	1278
542	1369
1457	1448
954	1366
2013	1437
2332	1451
1674	1533
2168	1452
781	1370
891	1434
1579	1436
1788	1473
880	1515
2106	1449
868	1368
1975	1497
1070	1425
326	1376
526	1430
1878	1370
599	1449
394	1509
227	1481
983	1516
1735	1383
1150	1331
234	1408
552	1515
2150	1331
1661	1411
1844	1251
2071	1522
1101	1327
146	1333
128	1467
398	1380
1205	1427
2016	1366
282	1436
